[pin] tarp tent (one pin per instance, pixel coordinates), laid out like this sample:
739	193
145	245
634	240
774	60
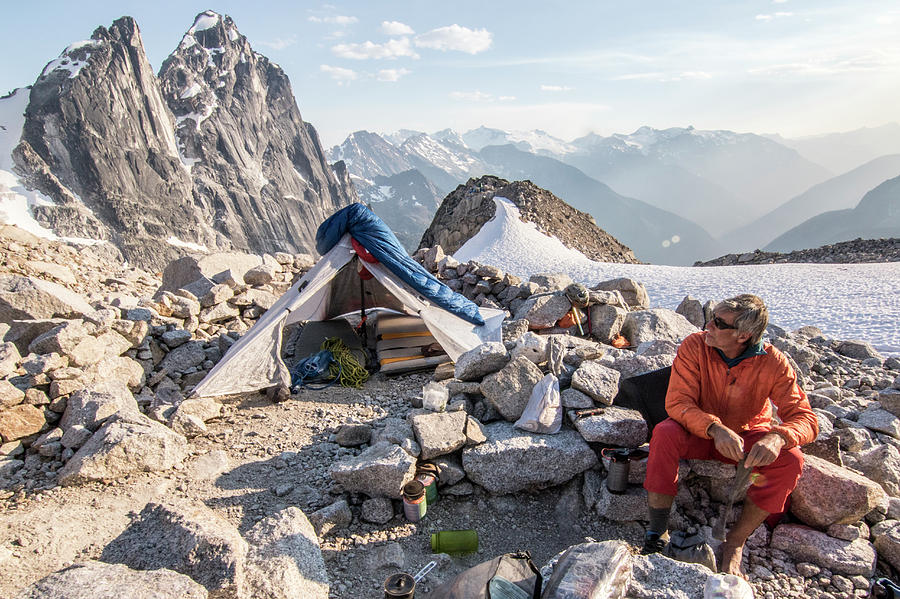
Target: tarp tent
332	288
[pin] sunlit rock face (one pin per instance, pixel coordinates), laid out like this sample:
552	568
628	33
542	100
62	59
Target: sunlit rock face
210	155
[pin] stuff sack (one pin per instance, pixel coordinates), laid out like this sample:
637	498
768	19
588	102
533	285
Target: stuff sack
692	549
315	368
510	576
543	414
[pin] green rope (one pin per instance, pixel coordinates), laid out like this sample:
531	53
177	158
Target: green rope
352	373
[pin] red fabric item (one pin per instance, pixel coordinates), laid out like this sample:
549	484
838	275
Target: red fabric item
363	273
671	443
362	252
704	390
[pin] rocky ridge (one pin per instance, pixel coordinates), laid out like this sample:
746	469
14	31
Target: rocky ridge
230	476
469	206
219	117
846	252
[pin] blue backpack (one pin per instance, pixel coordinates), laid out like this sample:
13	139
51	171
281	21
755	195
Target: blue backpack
315	369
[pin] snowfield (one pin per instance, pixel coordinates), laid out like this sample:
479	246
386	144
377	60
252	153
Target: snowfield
845	301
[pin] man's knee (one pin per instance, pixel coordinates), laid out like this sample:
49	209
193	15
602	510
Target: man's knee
791	461
668	431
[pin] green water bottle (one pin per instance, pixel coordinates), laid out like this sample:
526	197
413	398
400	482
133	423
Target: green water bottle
454	541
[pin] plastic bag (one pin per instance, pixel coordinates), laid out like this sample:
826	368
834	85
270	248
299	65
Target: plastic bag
591	571
543	414
434	397
727	586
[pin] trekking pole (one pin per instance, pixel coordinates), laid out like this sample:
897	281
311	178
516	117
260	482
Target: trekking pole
740	479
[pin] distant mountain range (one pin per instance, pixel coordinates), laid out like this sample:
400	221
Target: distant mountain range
877	215
674	196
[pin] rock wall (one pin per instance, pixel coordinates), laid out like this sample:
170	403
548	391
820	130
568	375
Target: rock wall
213	153
259	171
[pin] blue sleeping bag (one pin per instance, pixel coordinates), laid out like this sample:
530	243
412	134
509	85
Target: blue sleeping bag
380	241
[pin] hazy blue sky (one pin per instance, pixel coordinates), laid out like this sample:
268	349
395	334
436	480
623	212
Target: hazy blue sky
785	66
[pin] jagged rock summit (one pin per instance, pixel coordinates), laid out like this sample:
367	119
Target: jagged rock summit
258	169
211	155
469	206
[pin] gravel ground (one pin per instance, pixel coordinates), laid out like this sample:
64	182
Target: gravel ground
278	456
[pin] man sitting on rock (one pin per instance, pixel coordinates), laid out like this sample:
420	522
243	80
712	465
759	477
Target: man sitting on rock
724	383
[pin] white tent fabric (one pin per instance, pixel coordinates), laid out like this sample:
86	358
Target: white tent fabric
254	361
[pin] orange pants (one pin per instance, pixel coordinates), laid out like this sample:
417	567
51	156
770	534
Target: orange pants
671	442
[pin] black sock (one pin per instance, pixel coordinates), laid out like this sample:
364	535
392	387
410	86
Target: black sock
659	520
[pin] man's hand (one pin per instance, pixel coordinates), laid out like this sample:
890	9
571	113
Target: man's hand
765	451
728	442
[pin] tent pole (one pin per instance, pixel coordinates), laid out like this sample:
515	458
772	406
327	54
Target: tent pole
362	319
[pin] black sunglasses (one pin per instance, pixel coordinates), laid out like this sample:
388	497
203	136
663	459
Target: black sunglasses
720	324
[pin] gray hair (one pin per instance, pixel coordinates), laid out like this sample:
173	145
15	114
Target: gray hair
752	314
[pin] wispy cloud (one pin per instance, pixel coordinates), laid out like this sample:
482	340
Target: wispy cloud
392	75
555	88
339	74
279	43
777	15
659	76
455	37
342	20
396	28
874	61
390	49
480	96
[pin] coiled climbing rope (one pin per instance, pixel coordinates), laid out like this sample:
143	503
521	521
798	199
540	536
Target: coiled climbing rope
352	373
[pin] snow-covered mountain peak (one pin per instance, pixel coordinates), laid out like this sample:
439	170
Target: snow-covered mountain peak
449	136
536	141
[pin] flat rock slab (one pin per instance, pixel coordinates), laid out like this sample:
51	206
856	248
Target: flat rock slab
887	542
127	443
513	460
28	298
656	323
439	433
623	507
186	537
841	557
93	580
615	426
90	407
828	494
284	559
380	471
21	421
598	381
509	390
480	361
658	577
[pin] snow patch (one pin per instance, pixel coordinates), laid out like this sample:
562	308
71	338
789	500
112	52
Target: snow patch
12	120
233	35
191	91
16	205
172	240
195	117
846	301
204	21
